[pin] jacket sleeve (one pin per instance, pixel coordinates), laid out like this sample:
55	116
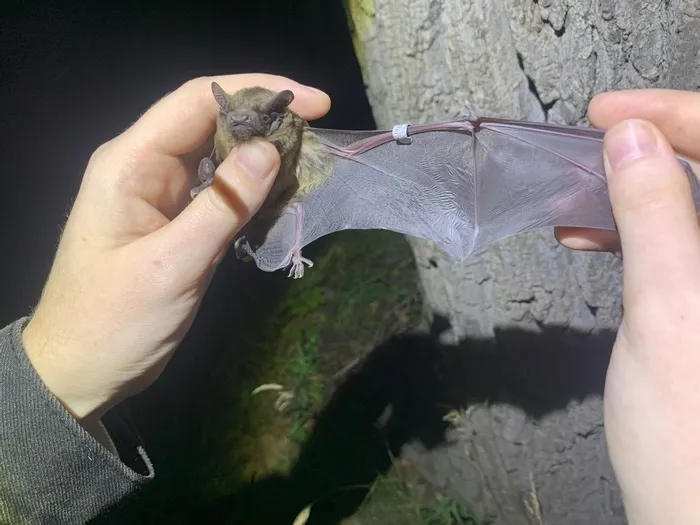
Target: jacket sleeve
51	470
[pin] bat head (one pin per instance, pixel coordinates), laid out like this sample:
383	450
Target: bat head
252	112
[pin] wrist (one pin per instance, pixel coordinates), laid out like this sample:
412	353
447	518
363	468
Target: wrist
651	438
61	377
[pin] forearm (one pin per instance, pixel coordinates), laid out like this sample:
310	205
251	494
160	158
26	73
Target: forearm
52	468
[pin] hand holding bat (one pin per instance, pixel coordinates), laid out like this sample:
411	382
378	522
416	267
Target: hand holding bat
134	259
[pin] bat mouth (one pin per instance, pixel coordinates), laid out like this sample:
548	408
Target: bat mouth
243	131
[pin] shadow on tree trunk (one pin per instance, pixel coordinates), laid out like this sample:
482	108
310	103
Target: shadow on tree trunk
401	393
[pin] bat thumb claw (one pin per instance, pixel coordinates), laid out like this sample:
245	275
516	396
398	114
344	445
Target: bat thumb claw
242	248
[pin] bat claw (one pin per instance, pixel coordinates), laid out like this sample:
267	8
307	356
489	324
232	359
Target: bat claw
197	190
242	249
205	175
297	270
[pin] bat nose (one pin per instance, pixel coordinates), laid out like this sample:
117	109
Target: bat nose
239	119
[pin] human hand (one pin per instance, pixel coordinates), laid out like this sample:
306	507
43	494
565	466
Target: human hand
135	259
652	392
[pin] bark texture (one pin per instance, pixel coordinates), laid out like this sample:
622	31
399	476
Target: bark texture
536	60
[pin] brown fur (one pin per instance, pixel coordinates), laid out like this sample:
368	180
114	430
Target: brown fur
304	162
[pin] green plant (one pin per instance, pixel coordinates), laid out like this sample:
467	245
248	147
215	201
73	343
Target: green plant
306	386
448	512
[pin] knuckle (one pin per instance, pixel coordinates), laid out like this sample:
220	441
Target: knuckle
101	151
198	81
99	159
198	84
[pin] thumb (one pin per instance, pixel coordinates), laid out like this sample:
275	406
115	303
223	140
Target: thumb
197	237
653	207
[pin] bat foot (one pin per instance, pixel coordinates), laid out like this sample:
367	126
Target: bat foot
242	249
297	270
205	175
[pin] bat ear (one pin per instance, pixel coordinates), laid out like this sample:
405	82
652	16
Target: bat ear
279	102
219	95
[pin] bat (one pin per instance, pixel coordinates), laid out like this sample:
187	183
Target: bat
463	183
305	163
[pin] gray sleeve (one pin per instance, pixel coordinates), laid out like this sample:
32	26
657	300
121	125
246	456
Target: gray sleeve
51	469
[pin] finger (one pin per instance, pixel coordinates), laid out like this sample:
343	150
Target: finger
653	207
181	121
204	229
675	113
588	239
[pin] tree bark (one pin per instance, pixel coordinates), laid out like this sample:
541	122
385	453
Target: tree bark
539	60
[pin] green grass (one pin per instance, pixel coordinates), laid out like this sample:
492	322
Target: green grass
400	499
447	512
307	389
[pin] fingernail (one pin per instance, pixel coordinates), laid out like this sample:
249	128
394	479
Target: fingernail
255	160
630	141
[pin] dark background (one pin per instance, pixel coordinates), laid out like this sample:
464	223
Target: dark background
73	75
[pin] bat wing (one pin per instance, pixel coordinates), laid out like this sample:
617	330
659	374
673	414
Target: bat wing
532	175
463	184
379	183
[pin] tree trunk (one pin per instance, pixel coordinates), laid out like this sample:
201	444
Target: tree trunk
540	456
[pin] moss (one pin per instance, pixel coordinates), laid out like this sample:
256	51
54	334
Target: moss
361	15
359	291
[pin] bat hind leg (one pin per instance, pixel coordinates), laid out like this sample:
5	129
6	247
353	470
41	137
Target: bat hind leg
205	174
297	269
